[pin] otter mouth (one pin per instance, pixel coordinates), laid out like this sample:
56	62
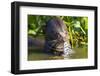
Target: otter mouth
58	51
60	47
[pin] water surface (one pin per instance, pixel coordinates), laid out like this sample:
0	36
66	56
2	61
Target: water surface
37	54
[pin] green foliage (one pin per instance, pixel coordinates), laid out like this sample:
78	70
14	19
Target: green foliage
36	24
77	28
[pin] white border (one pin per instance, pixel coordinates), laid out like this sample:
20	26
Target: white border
26	65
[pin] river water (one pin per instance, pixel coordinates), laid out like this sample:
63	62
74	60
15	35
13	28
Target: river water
37	54
35	51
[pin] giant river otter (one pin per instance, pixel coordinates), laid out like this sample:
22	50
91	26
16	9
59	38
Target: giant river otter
56	38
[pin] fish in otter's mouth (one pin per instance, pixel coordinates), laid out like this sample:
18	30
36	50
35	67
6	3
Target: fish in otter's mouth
56	38
63	49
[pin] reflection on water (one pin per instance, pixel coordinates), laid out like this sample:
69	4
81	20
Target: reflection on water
37	54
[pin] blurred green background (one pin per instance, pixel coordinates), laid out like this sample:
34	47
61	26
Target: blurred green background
77	28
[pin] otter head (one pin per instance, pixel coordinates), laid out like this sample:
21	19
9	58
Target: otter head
56	35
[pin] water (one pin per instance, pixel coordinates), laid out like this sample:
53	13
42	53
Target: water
37	54
35	51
